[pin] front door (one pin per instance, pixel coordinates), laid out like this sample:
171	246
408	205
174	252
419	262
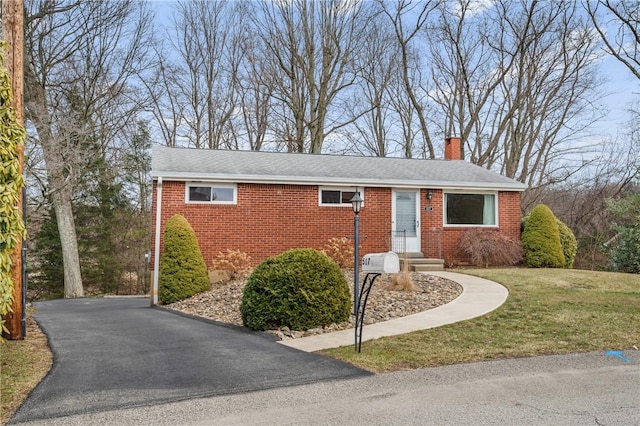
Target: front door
405	221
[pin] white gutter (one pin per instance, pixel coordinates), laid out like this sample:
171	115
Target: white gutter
156	254
327	181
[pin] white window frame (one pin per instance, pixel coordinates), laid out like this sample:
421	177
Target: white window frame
341	189
465	225
189	185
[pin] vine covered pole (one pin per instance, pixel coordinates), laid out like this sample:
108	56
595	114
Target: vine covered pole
13	35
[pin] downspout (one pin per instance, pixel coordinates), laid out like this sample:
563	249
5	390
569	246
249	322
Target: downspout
156	254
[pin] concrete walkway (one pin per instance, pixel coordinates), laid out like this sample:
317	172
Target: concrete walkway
479	296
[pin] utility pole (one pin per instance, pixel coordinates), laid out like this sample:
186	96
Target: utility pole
13	34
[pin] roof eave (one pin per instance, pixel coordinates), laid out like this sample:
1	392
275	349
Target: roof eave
314	180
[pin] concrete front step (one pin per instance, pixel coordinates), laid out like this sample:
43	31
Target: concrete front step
412	255
427	268
423	264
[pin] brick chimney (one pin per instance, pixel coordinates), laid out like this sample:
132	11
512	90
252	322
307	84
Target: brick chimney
452	149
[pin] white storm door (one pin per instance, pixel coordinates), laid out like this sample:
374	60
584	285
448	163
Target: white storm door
406	220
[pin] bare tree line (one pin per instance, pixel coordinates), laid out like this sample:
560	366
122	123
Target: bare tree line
517	80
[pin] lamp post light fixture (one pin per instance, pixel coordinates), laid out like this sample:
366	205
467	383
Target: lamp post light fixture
356	204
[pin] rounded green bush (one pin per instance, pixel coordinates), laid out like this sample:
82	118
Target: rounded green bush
569	244
183	272
300	289
541	239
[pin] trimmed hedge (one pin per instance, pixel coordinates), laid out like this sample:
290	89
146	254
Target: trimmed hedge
183	272
541	239
300	289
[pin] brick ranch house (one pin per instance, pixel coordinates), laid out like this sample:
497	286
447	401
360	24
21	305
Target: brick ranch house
263	203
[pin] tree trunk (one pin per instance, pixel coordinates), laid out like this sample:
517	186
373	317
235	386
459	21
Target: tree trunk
61	193
60	190
69	244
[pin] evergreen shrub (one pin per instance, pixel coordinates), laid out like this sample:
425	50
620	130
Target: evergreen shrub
183	272
569	244
568	241
625	254
47	279
300	289
541	239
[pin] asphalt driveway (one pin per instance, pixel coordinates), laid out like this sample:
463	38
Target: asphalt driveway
118	352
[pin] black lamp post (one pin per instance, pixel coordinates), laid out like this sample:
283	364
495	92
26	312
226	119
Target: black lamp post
356	204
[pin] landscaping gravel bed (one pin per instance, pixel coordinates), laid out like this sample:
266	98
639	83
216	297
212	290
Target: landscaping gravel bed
222	302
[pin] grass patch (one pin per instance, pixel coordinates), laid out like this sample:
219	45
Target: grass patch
24	363
548	311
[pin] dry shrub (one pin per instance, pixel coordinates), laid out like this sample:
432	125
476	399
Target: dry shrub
341	251
234	262
402	281
486	248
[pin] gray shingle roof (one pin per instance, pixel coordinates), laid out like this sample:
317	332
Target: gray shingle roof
187	164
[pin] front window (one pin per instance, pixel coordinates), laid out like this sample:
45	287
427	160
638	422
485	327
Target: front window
207	193
338	196
470	209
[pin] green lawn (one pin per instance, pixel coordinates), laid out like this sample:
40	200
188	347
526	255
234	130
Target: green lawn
548	311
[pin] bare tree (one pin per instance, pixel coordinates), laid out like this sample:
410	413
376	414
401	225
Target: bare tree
203	78
372	134
618	24
167	111
518	83
388	127
408	132
213	85
409	19
256	82
466	73
546	109
82	57
311	46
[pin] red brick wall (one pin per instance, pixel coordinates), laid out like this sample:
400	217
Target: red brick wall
269	219
433	230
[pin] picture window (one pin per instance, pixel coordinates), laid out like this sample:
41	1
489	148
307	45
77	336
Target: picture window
470	209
